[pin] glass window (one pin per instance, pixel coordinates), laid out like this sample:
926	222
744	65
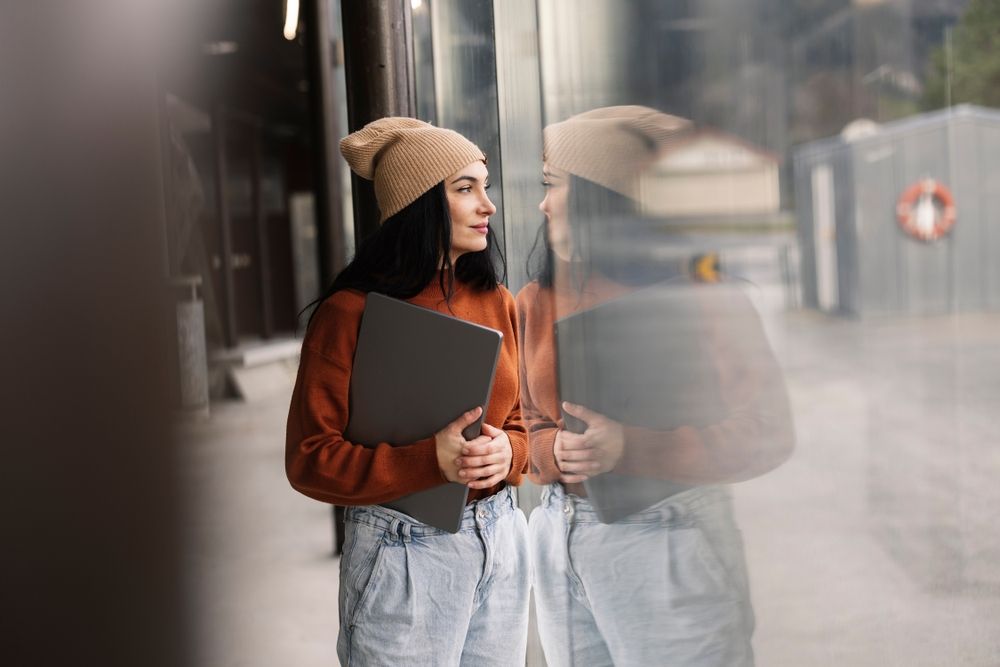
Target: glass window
765	276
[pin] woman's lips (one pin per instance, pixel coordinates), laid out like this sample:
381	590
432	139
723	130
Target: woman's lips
482	229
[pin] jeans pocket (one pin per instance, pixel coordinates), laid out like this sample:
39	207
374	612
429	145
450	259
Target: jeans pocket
365	589
698	572
359	569
726	545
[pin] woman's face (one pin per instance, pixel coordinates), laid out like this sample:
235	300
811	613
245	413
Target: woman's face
555	207
470	209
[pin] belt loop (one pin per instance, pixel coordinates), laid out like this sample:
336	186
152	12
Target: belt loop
673	513
684	507
399	531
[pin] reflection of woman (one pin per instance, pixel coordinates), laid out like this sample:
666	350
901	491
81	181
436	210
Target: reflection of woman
410	593
666	585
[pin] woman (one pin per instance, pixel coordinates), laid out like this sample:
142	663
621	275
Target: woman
409	593
665	584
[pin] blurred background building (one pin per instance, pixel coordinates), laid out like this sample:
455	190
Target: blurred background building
858	258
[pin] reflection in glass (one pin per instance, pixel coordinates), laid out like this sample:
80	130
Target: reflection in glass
464	80
644	389
831	166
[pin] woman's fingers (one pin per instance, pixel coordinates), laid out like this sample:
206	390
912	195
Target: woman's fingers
484	470
448	443
588	454
491	431
569	441
579	467
484	476
476	462
486	460
498	475
484	444
478	445
490	453
582	413
465	419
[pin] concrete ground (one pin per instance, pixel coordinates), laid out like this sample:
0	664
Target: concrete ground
260	554
876	544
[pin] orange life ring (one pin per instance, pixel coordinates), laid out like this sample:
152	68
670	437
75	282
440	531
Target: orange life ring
926	210
706	268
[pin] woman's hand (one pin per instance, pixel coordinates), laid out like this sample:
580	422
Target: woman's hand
449	442
564	460
485	461
595	451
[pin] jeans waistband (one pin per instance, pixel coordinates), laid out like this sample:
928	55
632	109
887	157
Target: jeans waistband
478	514
686	505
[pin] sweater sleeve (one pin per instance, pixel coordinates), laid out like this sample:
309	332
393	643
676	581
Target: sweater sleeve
542	432
755	434
541	429
319	462
514	424
514	427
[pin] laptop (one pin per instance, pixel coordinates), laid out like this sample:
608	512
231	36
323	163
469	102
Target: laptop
641	360
415	371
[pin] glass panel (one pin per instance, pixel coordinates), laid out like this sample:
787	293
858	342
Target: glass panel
519	93
465	84
765	275
423	57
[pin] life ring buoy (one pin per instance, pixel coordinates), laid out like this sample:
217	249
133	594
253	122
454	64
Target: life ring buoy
926	210
706	268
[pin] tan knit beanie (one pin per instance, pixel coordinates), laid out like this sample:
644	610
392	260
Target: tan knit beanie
405	157
612	146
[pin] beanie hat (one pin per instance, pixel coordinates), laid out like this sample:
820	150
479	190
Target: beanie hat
405	157
612	146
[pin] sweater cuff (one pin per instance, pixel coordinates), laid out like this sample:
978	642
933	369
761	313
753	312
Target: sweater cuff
421	460
544	469
519	456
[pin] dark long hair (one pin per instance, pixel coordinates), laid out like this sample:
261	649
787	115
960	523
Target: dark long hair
592	211
402	256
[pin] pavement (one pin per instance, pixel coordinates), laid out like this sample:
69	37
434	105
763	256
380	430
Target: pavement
875	545
877	542
259	553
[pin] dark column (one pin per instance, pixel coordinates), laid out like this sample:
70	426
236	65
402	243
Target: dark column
263	245
95	566
169	222
378	55
225	229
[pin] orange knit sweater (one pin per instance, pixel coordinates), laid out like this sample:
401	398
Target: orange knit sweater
323	465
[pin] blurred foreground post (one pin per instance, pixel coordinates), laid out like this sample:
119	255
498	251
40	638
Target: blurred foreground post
91	565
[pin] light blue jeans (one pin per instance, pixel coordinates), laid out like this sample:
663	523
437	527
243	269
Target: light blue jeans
666	586
411	594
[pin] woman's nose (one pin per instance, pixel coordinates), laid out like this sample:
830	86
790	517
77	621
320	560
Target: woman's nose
541	204
488	207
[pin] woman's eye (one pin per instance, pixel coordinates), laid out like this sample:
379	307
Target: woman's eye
487	186
546	184
465	189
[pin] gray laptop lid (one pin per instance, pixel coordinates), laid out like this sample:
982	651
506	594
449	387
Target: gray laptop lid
641	360
415	371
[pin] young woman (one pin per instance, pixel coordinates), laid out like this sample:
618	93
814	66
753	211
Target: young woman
666	584
410	593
